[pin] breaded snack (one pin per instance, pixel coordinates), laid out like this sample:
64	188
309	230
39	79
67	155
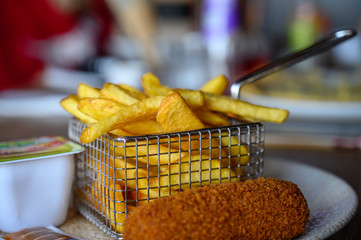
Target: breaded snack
255	209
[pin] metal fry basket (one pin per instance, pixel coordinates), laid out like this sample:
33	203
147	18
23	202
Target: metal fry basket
114	174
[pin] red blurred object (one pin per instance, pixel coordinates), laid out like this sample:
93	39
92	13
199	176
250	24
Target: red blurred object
24	22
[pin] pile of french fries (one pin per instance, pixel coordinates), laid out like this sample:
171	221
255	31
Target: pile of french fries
156	170
126	111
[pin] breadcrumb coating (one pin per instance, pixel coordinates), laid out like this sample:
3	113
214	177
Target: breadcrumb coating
255	209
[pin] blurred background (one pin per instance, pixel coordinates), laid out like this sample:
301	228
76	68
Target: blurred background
49	46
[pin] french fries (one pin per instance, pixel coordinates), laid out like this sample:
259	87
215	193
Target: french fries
216	85
238	152
133	92
86	91
98	108
150	153
112	198
152	86
143	127
175	116
191	172
118	94
139	110
70	104
114	108
244	109
194	99
212	119
131	171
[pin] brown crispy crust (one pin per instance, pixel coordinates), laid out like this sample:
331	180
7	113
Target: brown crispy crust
256	209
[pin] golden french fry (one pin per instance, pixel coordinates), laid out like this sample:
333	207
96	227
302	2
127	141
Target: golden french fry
175	116
86	91
193	172
99	108
70	104
242	119
229	105
138	111
137	176
152	86
216	85
137	172
110	200
193	98
198	143
238	152
212	118
120	132
107	194
152	154
143	127
129	175
133	92
116	93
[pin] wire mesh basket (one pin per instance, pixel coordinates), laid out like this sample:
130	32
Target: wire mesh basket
114	174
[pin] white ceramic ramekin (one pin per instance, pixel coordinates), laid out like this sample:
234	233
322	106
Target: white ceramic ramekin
35	190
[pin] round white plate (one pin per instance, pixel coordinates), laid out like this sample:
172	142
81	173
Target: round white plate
325	111
332	202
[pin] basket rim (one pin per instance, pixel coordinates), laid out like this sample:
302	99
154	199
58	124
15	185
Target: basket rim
181	133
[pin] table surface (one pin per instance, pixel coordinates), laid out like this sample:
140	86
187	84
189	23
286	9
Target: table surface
343	162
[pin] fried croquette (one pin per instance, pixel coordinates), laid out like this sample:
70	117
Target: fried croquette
255	209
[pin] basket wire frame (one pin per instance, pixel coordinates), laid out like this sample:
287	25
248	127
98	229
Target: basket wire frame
116	174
